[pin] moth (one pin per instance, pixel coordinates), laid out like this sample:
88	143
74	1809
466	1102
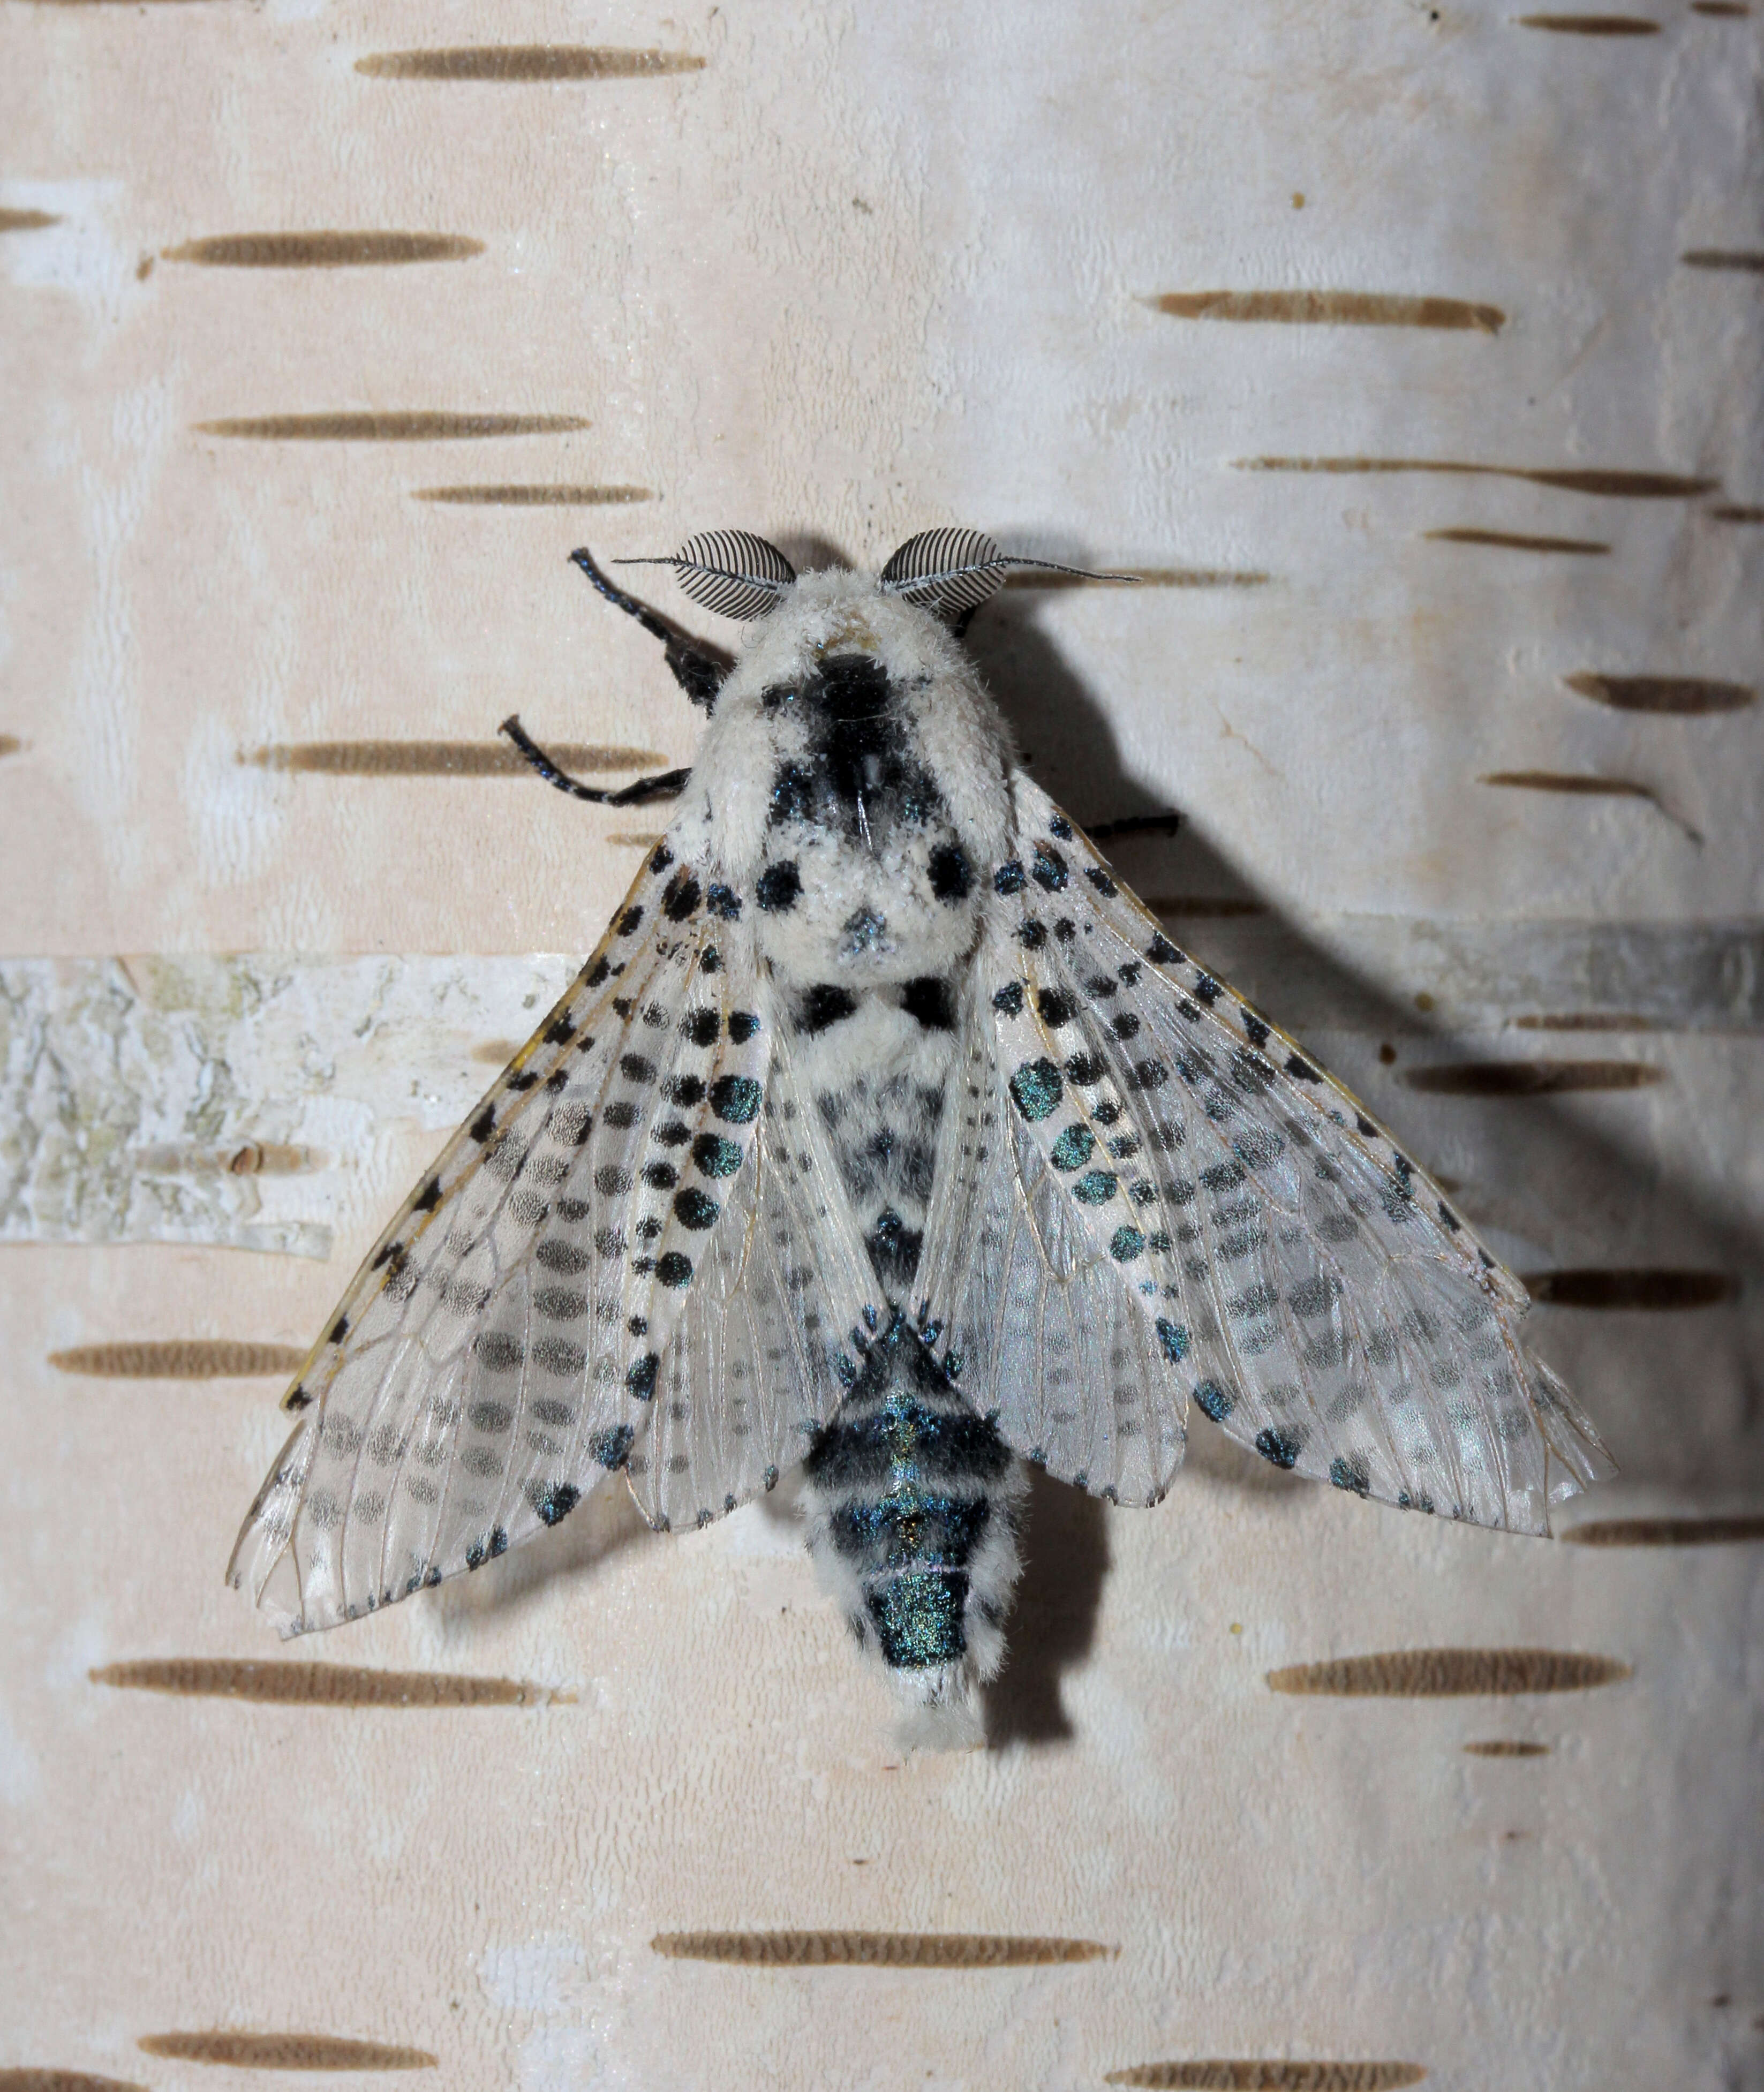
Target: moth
887	1143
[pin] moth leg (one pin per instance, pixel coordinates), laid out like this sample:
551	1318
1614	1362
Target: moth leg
698	672
667	785
1134	824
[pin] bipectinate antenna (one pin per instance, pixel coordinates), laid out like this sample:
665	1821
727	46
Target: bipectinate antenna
952	571
731	571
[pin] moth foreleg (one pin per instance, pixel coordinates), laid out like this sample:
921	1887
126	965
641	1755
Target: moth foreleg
665	785
698	672
1134	824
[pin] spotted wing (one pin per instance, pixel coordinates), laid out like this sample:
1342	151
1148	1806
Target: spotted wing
1028	1313
765	1348
502	1347
1297	1274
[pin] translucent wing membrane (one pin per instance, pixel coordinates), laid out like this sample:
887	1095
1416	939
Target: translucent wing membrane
1034	1322
1290	1268
731	571
763	1354
502	1349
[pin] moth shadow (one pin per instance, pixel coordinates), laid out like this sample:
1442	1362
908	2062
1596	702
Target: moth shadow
603	1524
1575	1201
1064	1539
1221	1463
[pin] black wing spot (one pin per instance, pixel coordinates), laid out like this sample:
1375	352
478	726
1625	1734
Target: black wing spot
694	1208
682	896
1008	1000
560	1030
714	1156
701	1026
1100	879
1301	1070
1279	1447
1162	953
630	919
428	1198
484	1125
1213	1399
1009	878
1049	869
735	1098
743	1025
1035	1089
555	1503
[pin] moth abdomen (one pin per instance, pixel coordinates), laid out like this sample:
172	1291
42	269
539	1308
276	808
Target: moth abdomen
912	1498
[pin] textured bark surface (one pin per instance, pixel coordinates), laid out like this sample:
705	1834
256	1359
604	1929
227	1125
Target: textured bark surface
1413	355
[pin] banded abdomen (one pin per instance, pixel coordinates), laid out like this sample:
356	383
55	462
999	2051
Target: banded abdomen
913	1502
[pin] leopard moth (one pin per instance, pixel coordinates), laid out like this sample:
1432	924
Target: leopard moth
886	1143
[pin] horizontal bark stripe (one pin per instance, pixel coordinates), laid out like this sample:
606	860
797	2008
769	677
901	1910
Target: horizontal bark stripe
1436	1674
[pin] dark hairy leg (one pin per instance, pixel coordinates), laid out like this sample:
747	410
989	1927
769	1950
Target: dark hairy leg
696	669
1134	824
668	784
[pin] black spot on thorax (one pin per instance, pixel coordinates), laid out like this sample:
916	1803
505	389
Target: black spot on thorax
858	768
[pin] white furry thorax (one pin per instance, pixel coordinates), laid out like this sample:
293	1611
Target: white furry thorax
880	871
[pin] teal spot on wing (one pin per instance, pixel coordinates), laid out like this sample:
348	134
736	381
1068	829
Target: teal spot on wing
716	1156
1035	1089
1125	1244
1214	1400
1096	1187
1074	1147
735	1098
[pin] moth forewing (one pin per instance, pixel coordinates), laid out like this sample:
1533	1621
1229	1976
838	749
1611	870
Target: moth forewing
1311	1287
480	1374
